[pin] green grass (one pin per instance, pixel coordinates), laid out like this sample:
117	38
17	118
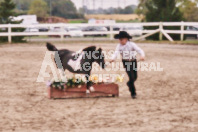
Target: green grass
78	21
32	37
130	21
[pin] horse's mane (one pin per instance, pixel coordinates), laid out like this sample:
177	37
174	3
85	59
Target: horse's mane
91	48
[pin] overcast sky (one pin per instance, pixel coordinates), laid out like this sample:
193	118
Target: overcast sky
104	3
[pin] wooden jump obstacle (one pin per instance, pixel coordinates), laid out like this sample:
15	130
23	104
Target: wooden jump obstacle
101	90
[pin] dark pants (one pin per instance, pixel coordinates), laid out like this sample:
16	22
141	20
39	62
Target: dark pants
131	69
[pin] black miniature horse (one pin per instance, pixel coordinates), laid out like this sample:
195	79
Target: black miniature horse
80	62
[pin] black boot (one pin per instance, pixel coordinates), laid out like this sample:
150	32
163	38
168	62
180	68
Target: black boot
133	96
128	84
133	93
132	90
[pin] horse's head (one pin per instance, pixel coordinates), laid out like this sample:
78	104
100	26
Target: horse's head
99	58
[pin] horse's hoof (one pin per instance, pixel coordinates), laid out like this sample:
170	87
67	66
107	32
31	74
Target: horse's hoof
87	92
92	89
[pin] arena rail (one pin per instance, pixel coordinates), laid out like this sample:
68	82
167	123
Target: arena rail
158	25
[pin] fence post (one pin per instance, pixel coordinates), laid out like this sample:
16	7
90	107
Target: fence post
160	32
62	31
111	30
9	33
182	31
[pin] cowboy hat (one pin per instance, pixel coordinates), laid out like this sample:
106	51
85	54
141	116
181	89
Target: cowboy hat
122	34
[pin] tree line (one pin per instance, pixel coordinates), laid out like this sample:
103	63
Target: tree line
44	8
130	9
63	8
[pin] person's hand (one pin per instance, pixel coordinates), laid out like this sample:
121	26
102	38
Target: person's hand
111	61
142	58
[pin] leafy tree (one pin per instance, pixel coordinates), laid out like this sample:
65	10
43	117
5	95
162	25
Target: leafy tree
141	9
189	9
128	10
162	11
65	8
6	12
39	8
23	5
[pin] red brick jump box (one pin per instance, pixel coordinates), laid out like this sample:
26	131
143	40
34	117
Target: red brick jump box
101	90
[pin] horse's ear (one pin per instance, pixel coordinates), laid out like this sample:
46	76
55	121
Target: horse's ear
100	50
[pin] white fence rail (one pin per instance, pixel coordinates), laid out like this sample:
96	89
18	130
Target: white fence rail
146	33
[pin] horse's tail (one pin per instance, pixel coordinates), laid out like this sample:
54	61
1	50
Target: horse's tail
51	47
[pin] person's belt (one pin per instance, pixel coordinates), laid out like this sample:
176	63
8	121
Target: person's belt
129	60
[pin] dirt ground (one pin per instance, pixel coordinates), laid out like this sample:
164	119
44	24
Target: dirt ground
166	101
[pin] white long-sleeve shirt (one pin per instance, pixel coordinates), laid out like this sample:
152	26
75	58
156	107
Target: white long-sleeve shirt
128	51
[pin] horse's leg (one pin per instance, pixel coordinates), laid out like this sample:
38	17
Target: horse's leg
88	84
90	88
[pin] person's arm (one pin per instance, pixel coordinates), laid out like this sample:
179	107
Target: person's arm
115	54
139	51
